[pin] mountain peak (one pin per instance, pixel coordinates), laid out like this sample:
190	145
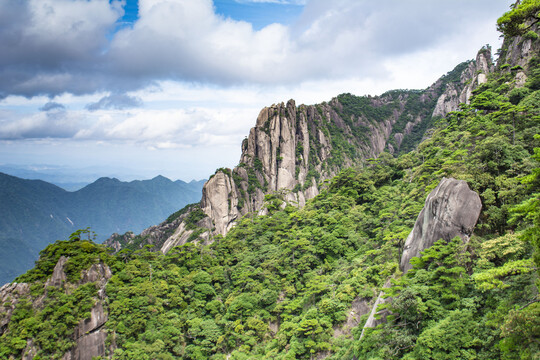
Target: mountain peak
161	178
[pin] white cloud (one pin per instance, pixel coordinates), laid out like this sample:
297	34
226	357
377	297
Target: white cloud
202	77
57	46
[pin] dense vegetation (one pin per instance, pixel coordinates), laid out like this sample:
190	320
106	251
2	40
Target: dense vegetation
51	325
282	286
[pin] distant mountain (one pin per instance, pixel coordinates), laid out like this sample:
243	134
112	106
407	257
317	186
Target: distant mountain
34	213
66	177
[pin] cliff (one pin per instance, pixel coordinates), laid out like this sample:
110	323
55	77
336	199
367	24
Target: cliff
474	75
87	339
293	149
300	282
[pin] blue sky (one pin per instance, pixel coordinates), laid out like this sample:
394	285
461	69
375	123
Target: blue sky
257	13
172	87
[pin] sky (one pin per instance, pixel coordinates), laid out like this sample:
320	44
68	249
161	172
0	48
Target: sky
140	88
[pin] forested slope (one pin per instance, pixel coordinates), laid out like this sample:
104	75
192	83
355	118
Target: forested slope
299	283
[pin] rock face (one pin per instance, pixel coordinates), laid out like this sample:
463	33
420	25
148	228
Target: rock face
293	149
377	317
474	75
451	210
89	335
9	297
516	52
58	276
289	152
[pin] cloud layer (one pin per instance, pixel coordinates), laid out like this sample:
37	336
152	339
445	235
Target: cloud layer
77	85
50	47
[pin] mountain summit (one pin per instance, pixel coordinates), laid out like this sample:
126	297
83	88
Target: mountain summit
293	150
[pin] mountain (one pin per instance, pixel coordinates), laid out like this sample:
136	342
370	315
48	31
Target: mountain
431	253
293	150
36	213
68	178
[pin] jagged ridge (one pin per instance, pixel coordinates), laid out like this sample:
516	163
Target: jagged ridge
293	149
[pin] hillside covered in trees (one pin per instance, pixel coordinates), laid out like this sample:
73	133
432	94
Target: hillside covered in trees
298	283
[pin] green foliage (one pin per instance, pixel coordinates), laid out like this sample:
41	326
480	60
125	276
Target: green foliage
281	286
180	212
80	253
49	315
515	21
194	217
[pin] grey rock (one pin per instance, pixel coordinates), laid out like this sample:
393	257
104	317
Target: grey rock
58	276
473	76
359	307
450	210
376	316
287	142
9	297
89	335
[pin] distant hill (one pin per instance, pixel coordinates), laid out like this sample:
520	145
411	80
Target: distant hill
34	213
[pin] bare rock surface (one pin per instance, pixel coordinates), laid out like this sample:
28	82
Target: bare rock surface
58	276
473	76
90	335
451	210
9	297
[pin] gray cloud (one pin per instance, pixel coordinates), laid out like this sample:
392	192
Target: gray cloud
50	47
41	126
51	105
116	101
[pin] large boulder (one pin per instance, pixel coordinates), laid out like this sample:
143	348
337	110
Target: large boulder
451	210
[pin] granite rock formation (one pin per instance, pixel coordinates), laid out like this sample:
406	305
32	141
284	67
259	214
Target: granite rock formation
450	210
89	336
293	149
460	93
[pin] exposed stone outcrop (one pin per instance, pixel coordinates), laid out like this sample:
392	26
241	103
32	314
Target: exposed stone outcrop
376	316
90	335
9	297
220	201
474	75
290	152
58	276
516	51
451	210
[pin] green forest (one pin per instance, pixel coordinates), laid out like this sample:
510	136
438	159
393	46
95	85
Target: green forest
281	286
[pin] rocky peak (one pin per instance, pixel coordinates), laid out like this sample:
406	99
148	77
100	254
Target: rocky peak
470	78
451	210
89	336
292	149
58	276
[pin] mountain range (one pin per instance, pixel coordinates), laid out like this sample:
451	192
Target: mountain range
36	213
401	226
